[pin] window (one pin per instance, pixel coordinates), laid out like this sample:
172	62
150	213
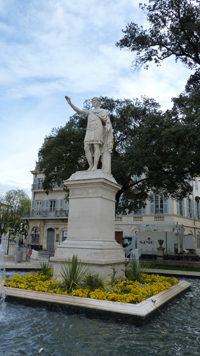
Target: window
190	208
181	207
197	210
64	204
158	204
52	205
64	235
40	180
37	183
38	205
140	211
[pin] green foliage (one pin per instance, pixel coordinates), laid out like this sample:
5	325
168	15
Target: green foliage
46	269
73	273
171	139
63	153
133	271
113	275
154	152
171	281
92	282
12	206
158	145
173	30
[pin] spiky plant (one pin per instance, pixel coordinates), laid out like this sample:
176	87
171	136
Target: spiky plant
133	271
46	269
72	273
93	281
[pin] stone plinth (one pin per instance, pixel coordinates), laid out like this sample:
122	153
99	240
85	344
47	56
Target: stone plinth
160	253
91	225
11	249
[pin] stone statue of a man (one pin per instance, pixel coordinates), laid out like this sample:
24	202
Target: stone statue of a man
99	136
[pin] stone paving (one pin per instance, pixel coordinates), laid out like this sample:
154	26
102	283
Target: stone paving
36	264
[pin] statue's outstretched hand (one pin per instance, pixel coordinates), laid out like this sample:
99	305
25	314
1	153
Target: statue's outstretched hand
68	99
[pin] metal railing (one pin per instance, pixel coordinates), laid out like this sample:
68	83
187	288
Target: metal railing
39	186
46	213
36	186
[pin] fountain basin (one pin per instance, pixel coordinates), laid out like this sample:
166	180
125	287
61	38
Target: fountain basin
139	312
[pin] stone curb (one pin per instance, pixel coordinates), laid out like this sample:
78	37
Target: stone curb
138	311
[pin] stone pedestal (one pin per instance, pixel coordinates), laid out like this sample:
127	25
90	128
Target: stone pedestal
91	226
11	249
160	255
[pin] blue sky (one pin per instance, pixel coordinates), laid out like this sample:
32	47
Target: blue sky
50	49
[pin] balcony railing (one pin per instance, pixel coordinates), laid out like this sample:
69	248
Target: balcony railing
46	214
36	186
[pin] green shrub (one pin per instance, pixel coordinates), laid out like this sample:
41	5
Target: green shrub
73	273
46	269
92	282
133	271
113	274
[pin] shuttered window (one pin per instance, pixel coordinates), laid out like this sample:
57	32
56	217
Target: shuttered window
181	207
190	208
158	204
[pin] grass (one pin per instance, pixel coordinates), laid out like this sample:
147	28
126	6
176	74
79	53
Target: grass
172	268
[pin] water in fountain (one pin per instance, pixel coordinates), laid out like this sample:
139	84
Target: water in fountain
175	331
2	270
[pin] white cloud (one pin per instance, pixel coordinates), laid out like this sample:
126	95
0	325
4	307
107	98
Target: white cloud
50	49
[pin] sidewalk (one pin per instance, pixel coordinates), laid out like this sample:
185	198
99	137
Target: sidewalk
174	272
36	265
23	266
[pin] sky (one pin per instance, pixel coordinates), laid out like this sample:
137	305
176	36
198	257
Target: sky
50	49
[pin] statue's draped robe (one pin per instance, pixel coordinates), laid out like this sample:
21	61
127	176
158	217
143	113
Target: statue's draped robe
99	130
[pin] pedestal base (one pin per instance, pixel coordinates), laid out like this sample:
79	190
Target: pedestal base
91	226
99	256
160	255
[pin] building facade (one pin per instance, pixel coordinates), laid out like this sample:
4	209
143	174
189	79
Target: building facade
48	218
161	211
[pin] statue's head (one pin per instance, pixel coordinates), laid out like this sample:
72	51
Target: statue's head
96	99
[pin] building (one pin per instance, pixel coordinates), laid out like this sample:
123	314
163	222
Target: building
161	211
48	218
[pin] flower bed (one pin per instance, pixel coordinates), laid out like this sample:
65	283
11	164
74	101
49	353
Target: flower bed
118	291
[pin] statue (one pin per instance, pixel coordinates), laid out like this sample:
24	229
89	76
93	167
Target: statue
99	136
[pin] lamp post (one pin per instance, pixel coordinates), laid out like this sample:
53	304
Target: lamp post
197	199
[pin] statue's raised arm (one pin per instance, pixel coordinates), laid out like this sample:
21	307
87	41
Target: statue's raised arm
99	136
79	111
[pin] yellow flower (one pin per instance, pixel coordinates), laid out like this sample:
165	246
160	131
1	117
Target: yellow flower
120	291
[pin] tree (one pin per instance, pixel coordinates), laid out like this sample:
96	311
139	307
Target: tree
186	112
12	206
147	142
63	152
174	30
